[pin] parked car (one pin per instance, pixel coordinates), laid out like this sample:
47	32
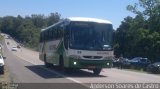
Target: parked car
123	63
116	62
139	63
154	68
14	48
126	63
1	65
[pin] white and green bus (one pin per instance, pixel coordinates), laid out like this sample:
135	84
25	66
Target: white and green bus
79	43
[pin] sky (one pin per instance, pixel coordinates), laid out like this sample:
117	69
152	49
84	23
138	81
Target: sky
112	10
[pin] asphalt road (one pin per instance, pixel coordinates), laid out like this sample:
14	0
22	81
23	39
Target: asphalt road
25	67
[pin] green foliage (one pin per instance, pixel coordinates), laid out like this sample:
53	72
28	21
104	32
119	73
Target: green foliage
140	36
26	30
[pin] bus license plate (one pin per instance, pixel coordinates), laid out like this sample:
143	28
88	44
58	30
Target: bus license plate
92	67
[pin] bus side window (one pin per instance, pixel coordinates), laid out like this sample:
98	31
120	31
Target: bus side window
42	37
66	37
52	32
55	33
45	35
61	33
48	35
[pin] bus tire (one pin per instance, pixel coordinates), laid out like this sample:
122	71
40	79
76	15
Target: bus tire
61	62
47	65
97	71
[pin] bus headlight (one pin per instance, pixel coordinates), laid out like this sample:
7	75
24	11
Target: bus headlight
75	56
75	63
107	64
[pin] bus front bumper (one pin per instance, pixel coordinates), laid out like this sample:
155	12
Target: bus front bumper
89	64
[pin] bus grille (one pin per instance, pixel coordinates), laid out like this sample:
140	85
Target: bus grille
93	57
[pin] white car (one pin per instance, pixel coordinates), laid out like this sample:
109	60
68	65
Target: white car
14	48
1	65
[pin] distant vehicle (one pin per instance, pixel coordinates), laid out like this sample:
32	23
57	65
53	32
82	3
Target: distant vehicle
139	63
14	48
79	43
8	37
18	46
154	68
116	62
123	64
8	43
1	65
126	63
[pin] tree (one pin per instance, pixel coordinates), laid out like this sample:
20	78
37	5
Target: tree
26	30
38	20
53	18
140	36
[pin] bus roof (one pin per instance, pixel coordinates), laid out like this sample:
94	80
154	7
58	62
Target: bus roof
84	19
80	19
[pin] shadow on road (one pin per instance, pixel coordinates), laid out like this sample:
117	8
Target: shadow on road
51	72
82	73
39	70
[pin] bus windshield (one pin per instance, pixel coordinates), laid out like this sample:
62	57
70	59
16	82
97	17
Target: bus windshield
90	36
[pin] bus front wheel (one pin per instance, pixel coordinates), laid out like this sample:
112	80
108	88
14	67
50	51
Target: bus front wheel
97	71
